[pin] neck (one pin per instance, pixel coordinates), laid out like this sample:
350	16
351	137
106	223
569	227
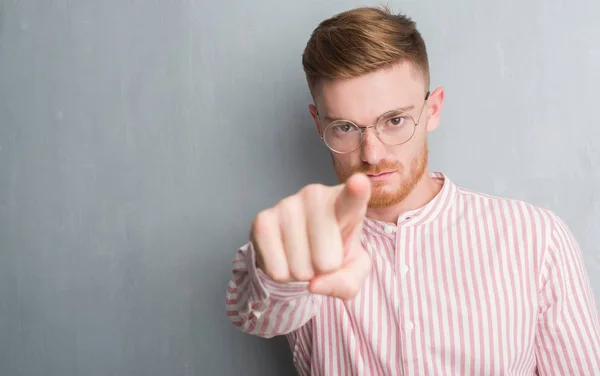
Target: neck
425	190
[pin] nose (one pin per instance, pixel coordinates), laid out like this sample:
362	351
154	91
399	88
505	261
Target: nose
372	149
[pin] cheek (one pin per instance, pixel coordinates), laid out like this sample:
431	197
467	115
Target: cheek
405	154
345	164
401	153
341	163
345	159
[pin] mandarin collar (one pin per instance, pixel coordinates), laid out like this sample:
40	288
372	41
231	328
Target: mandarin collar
420	216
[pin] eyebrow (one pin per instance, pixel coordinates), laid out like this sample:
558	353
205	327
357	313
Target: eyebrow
399	109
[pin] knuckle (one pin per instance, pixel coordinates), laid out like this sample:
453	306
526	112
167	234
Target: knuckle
313	191
353	289
347	293
261	222
289	206
327	265
302	274
278	275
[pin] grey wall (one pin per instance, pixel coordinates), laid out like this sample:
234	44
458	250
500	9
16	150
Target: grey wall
139	138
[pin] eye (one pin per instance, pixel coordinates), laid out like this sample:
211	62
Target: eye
397	121
343	128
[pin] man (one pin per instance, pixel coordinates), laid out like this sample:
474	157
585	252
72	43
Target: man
397	270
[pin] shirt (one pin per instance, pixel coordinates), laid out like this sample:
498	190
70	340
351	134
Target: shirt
469	284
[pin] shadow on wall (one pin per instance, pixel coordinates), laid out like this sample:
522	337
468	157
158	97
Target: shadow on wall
281	355
311	163
315	157
310	157
291	156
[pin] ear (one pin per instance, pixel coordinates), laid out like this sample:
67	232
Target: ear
434	108
313	112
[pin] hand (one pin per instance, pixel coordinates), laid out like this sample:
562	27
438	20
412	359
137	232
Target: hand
313	236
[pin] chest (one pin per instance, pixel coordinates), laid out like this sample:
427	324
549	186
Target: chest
452	271
444	300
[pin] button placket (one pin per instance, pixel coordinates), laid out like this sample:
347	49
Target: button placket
404	269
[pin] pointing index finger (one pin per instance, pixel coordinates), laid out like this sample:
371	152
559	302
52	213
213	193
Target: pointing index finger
351	203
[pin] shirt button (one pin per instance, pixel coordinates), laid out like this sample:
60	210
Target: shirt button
409	326
404	268
388	229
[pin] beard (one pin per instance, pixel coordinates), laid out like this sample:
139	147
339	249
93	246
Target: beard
382	196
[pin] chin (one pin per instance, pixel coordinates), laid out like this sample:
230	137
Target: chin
384	196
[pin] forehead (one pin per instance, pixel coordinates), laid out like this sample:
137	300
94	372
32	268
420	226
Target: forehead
363	99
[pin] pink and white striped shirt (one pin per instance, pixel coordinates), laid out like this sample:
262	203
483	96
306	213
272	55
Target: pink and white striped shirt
469	284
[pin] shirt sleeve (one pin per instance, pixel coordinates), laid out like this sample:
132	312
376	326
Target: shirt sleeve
568	333
260	306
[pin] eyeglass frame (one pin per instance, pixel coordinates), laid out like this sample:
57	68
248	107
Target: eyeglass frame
363	129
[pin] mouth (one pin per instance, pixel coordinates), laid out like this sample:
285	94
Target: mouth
381	176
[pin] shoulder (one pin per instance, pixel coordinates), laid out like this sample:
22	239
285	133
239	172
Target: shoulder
508	210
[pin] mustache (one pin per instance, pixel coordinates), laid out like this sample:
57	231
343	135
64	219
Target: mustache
380	168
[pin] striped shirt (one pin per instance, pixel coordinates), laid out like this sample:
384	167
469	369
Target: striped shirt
469	284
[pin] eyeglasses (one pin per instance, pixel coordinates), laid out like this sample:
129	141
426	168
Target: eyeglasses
392	128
